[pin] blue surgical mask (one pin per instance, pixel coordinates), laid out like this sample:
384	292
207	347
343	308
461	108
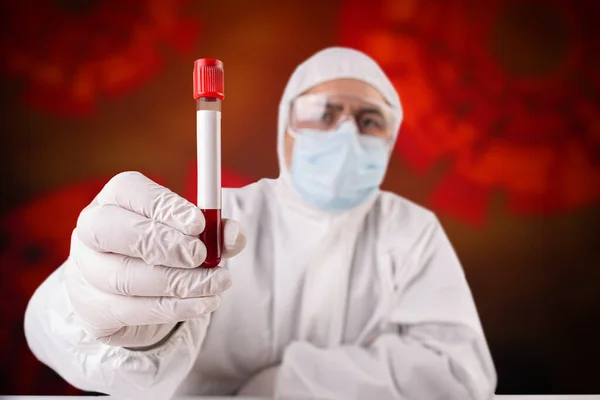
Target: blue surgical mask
337	170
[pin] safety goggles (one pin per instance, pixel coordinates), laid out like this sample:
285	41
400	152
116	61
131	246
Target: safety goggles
325	112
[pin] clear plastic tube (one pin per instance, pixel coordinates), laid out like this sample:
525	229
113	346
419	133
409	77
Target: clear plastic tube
208	93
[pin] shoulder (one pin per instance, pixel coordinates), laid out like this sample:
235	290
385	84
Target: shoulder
396	210
246	198
402	222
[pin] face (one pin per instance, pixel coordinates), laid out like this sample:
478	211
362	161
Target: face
350	87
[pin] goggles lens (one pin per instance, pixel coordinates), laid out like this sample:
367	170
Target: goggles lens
324	112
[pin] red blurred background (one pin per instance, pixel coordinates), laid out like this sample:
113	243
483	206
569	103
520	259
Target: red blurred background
501	138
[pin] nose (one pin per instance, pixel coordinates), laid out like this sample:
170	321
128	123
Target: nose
347	124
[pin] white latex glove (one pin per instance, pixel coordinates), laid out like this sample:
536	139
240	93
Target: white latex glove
135	254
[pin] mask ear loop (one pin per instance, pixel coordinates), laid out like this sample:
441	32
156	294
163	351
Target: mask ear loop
291	131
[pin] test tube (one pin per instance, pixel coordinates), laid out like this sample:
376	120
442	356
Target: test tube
209	85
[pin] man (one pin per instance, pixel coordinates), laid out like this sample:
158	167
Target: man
343	291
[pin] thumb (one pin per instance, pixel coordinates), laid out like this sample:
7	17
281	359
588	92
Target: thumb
234	238
135	337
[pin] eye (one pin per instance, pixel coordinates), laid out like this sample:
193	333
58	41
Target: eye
371	123
328	117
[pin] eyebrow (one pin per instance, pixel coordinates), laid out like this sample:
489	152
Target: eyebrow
335	107
365	110
370	111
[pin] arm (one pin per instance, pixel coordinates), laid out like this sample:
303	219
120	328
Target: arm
57	340
436	348
104	319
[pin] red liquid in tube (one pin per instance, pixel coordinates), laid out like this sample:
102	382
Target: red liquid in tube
212	237
208	93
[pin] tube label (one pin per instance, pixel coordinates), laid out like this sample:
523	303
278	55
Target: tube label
208	147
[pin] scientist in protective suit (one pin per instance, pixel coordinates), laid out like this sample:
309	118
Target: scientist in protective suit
342	291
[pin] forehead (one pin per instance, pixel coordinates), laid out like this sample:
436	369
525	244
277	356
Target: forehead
351	87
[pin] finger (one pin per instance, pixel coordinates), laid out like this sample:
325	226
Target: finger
110	228
137	193
234	238
103	314
137	336
124	275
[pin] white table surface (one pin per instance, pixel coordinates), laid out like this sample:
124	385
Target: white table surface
504	397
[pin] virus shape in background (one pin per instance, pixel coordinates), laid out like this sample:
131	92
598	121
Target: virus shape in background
34	240
507	93
70	54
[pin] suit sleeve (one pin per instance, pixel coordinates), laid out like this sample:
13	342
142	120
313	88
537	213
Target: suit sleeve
56	339
436	348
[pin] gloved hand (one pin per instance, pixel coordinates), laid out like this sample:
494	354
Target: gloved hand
132	272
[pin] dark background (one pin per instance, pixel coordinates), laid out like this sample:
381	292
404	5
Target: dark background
501	139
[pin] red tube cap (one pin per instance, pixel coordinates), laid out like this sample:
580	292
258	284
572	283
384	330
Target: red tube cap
209	80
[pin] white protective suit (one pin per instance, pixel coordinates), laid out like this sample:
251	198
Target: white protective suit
367	304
